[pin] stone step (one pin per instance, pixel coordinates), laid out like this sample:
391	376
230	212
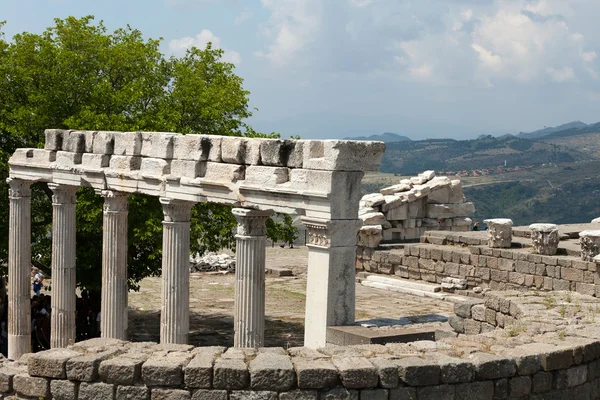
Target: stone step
407	290
426	287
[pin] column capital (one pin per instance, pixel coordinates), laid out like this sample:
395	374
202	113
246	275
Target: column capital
18	188
114	201
251	222
63	194
326	233
176	210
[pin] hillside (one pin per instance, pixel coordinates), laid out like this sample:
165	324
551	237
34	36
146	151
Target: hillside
486	152
386	137
550	130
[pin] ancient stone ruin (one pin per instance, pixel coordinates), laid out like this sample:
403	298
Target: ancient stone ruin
317	179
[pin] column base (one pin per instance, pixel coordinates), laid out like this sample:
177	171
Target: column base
18	345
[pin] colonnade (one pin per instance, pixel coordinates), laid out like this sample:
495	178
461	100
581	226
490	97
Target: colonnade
330	286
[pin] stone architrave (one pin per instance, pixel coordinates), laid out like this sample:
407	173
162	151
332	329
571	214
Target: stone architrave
175	308
19	268
590	244
500	232
330	286
544	238
249	317
64	283
113	323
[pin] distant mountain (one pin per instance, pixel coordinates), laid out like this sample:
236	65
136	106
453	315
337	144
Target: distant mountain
387	137
575	131
550	130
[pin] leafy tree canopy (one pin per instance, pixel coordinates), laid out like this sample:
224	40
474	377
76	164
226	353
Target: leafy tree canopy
78	75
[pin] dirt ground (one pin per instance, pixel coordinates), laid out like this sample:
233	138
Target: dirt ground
212	302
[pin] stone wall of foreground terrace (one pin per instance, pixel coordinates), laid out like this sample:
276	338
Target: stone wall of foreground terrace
529	363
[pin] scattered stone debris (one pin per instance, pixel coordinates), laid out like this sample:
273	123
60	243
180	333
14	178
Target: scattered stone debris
452	284
212	262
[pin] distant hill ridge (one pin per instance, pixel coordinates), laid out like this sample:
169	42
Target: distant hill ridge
552	130
387	137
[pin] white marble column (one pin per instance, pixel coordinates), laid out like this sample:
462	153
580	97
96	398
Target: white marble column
249	317
330	284
175	309
113	323
64	284
19	269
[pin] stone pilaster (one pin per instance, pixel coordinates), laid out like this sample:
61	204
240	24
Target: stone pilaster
19	269
330	285
249	317
175	309
64	283
113	323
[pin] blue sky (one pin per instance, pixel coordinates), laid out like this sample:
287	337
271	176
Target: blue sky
336	68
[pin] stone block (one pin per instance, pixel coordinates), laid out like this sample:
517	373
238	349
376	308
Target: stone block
155	167
441	392
343	155
568	378
63	390
403	393
224	173
356	372
50	363
528	364
95	161
132	393
187	168
414	371
169	394
315	373
73	141
271	371
233	149
519	386
165	371
199	371
541	382
472	327
6	378
31	386
251	395
282	153
493	367
266	176
205	394
127	143
125	163
104	143
124	370
66	160
85	368
158	144
457	323
36	157
478	312
299	395
475	391
455	370
54	139
197	147
561	358
387	371
230	374
339	393
374	394
561	284
95	391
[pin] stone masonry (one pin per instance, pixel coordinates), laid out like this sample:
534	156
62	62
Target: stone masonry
319	180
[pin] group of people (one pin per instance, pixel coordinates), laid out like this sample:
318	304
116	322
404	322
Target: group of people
87	316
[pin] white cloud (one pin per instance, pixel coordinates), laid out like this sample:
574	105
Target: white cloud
487	58
179	46
563	74
293	26
589	56
245	15
361	3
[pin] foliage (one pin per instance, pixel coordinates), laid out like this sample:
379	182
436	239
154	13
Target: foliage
78	75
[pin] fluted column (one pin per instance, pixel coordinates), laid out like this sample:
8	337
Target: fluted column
113	323
175	309
19	269
64	284
330	283
249	318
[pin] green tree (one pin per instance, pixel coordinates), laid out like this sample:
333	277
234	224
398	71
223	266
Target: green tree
78	75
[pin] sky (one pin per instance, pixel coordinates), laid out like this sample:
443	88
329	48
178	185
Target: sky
342	68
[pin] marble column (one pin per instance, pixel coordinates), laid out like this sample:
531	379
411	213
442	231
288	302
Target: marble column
64	284
19	268
330	284
249	317
113	322
175	309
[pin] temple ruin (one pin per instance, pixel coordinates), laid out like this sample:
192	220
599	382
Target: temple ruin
319	180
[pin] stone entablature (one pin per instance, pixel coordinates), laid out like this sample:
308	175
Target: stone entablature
270	174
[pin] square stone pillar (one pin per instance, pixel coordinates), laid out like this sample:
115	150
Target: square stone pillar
19	268
64	283
330	286
113	323
251	237
175	293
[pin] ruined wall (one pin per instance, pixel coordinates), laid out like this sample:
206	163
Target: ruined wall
406	210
